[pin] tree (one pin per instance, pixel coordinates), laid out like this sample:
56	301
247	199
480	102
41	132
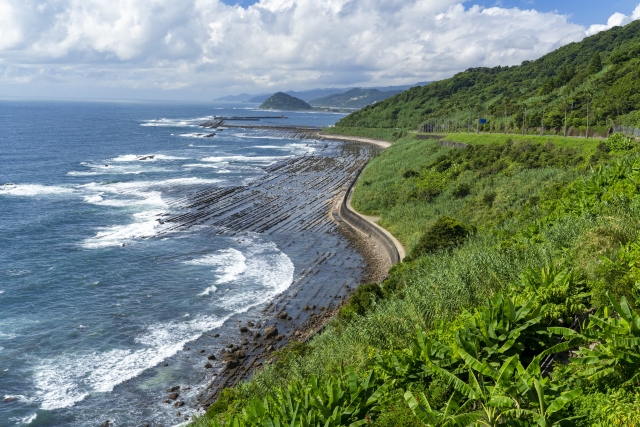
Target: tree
565	104
588	95
595	65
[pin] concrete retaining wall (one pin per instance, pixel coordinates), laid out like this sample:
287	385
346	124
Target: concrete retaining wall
364	226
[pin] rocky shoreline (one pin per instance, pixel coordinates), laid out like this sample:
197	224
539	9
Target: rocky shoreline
295	204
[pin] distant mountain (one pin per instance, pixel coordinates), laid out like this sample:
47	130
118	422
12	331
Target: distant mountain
243	97
310	94
354	98
282	101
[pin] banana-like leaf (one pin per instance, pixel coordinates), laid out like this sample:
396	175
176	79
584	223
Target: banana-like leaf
481	367
455	382
563	346
422	410
379	393
563	400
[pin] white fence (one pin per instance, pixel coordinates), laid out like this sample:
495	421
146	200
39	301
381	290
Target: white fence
627	130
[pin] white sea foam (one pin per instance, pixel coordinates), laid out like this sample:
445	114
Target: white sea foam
145	158
29	419
118	235
19	397
230	264
196	135
204	165
175	122
239	158
33	190
265	265
69	379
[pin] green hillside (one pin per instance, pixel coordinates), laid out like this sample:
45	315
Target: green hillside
355	98
602	70
282	101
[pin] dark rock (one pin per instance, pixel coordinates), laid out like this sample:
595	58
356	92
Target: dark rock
10	399
288	317
250	324
216	335
173	396
186	349
106	424
270	348
201	351
166	364
232	364
257	335
208	365
271	331
313	307
211	357
172	389
279	337
240	354
229	345
244	329
166	401
305	308
282	315
178	404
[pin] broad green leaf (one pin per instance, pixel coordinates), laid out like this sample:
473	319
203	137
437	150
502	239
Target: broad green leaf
564	399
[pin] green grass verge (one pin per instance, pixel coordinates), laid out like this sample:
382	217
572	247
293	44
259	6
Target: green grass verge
587	144
390	135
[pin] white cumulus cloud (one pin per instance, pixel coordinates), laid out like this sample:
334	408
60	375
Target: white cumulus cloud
205	47
616	20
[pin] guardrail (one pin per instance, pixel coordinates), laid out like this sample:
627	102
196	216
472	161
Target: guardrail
364	226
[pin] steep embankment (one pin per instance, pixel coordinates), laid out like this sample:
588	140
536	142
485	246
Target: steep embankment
527	225
602	71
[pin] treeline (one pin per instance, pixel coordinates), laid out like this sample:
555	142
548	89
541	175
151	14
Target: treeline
600	74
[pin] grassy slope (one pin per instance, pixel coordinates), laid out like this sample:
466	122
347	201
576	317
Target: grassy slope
565	74
514	234
391	135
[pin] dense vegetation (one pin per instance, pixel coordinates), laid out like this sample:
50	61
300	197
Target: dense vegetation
601	73
516	306
354	98
282	101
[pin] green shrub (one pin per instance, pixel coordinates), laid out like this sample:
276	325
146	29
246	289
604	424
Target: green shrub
361	301
445	233
618	141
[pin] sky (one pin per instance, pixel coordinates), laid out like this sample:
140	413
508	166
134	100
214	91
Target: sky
204	49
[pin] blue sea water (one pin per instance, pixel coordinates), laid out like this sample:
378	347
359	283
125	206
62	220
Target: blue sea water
87	301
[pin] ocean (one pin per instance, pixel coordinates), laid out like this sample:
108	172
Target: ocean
92	301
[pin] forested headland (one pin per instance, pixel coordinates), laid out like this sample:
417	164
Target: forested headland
601	73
